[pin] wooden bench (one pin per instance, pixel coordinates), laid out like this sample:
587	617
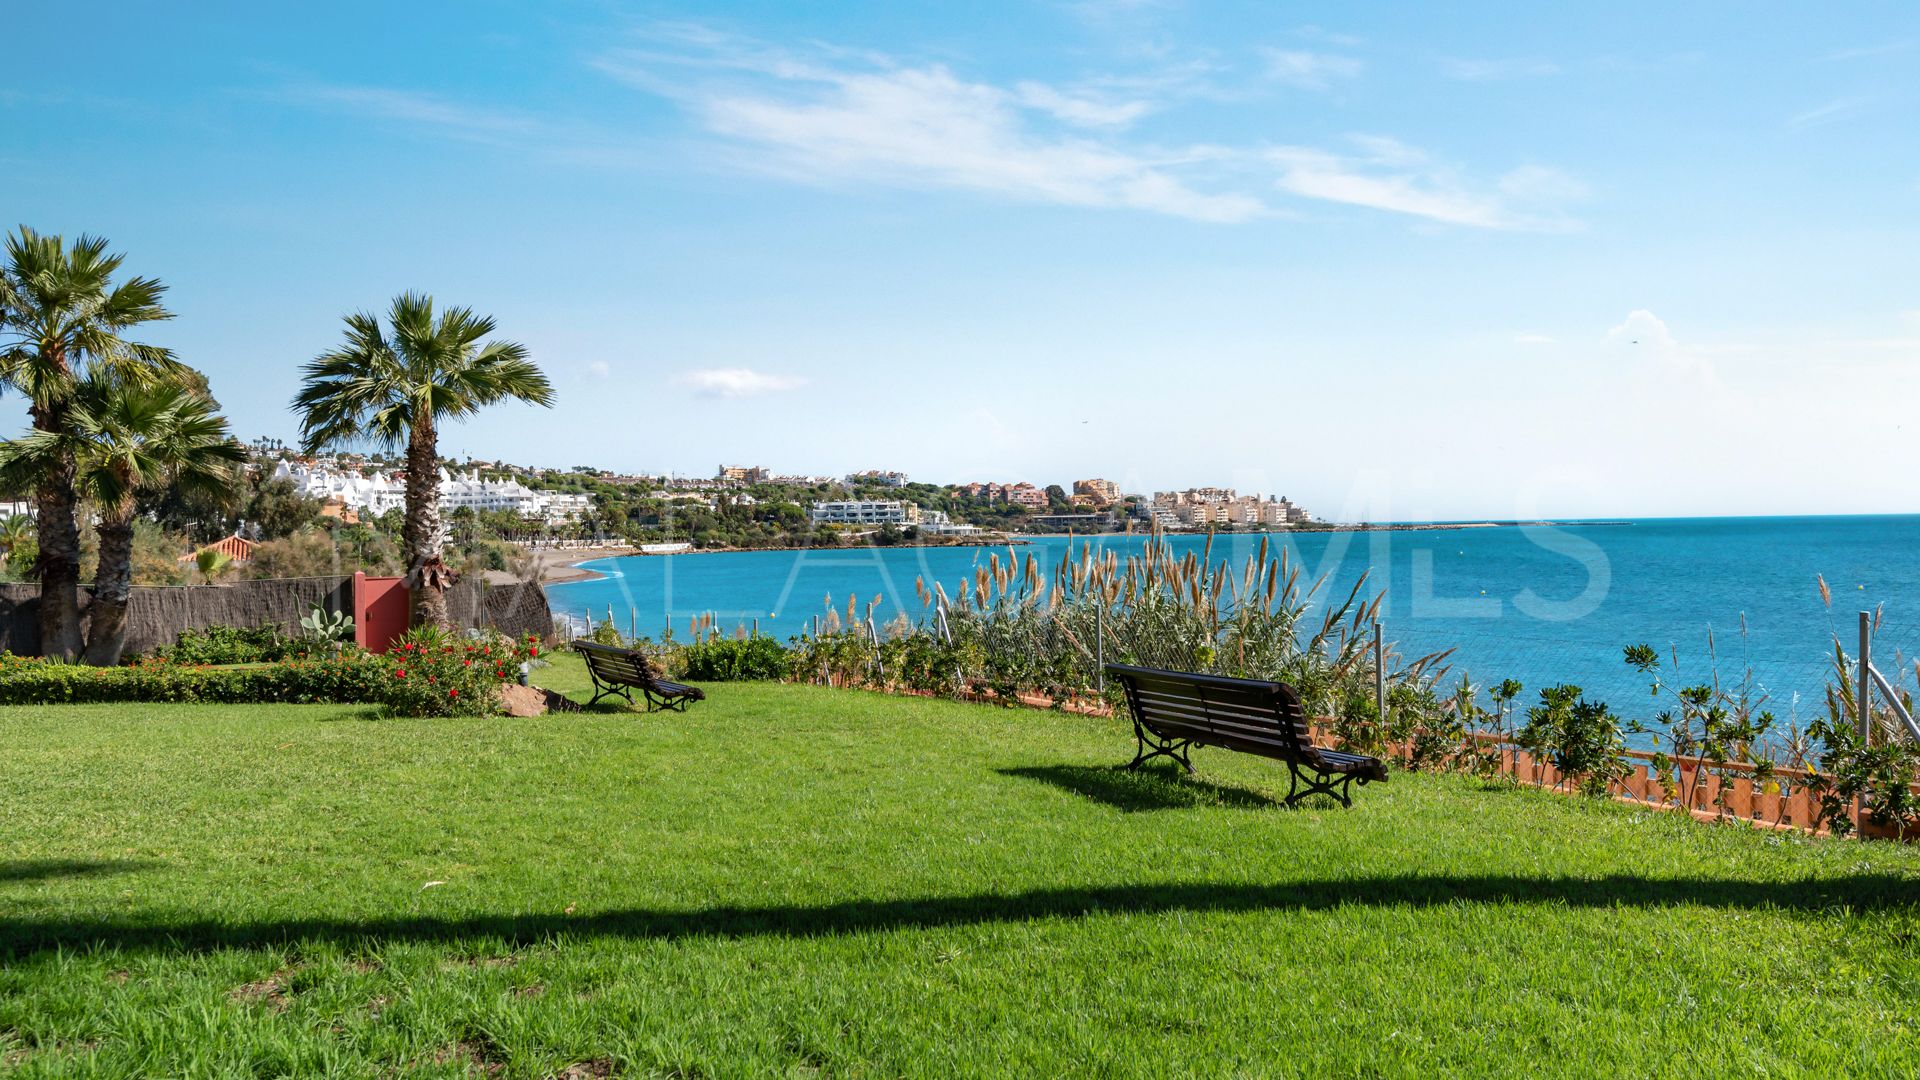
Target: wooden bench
617	671
1175	710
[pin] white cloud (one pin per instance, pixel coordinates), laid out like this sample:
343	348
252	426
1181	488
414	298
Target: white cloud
1644	331
1497	70
1389	175
831	115
1083	110
736	382
927	127
1310	70
599	369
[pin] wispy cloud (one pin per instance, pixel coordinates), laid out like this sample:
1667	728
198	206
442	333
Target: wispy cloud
1385	174
1825	114
830	115
736	382
1311	70
1083	109
925	126
418	109
1497	70
599	369
871	119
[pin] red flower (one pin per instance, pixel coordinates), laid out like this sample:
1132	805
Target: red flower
400	673
453	693
467	663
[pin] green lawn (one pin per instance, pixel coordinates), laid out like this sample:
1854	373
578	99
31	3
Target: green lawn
790	881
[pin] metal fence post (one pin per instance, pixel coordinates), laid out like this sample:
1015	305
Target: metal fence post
1379	673
1863	704
1100	648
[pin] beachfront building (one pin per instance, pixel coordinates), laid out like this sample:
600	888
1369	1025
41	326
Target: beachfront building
1199	508
875	476
864	512
937	523
371	493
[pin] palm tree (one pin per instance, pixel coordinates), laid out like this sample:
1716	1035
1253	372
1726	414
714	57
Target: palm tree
14	532
126	441
211	562
61	317
395	392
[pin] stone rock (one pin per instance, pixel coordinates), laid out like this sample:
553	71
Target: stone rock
519	700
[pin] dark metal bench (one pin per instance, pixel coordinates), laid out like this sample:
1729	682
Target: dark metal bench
617	671
1175	710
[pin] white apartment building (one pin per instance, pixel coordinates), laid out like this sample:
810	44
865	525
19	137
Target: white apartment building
374	493
865	512
938	523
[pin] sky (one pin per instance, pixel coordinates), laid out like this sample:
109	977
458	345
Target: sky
1393	261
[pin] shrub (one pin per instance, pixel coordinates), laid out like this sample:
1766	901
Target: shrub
732	659
227	645
1582	738
424	675
348	678
432	673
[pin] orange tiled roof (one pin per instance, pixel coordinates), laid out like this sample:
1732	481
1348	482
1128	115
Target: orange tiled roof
233	547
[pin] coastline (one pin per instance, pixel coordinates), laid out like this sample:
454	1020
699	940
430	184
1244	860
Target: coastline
562	566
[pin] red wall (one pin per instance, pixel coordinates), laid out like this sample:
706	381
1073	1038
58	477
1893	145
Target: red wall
381	606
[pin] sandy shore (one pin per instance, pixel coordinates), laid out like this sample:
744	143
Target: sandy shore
555	565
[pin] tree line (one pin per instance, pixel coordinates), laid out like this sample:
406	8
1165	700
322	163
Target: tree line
117	423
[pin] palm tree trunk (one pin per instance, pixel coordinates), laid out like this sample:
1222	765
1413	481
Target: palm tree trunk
59	535
427	576
112	587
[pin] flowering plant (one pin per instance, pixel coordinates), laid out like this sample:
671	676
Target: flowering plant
432	673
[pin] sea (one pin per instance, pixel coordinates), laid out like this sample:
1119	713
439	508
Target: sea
1737	601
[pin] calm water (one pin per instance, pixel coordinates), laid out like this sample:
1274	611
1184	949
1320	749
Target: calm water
1541	605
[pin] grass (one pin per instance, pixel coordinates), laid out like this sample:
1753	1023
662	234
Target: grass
792	881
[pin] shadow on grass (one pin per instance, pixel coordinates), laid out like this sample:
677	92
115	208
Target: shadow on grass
27	936
1134	790
43	869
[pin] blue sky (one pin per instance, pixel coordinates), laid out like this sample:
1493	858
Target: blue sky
1391	260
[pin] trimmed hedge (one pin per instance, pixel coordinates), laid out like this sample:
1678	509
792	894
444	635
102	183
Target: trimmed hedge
351	678
425	675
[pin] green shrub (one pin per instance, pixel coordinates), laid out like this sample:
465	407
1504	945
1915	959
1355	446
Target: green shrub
227	645
424	675
432	673
348	678
733	659
1582	738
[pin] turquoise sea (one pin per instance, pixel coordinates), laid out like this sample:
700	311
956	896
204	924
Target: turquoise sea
1540	604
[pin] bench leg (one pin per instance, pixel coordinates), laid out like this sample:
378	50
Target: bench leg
1167	749
601	689
659	702
1318	784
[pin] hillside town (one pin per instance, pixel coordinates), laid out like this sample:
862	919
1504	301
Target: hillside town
870	502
